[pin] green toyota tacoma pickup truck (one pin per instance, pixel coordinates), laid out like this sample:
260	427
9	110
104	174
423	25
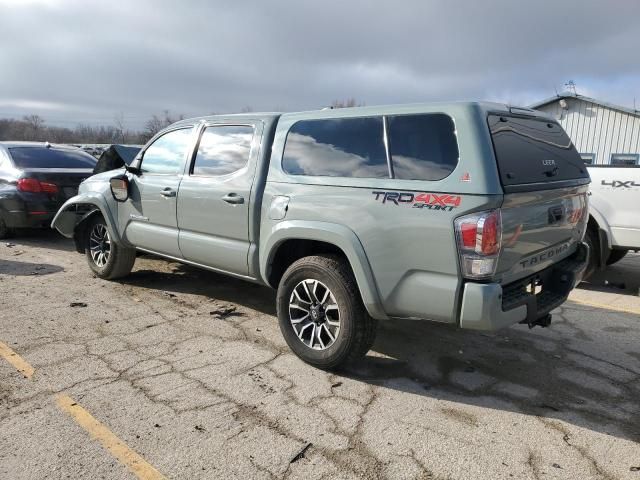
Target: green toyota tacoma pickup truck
470	214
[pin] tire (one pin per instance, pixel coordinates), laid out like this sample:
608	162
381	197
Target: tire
5	232
116	261
311	341
591	239
616	255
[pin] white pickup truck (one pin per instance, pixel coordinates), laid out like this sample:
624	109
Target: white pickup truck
614	208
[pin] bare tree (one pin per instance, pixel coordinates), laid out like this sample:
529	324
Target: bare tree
118	121
246	109
157	123
34	121
34	126
153	125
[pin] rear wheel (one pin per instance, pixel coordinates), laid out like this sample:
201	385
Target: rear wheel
106	258
5	232
615	256
321	314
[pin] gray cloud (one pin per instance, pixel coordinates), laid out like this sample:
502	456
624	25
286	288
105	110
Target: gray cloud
75	61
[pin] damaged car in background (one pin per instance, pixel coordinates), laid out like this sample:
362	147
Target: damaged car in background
36	178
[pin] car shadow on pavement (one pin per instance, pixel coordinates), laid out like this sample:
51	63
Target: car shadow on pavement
14	268
39	237
622	278
542	373
186	279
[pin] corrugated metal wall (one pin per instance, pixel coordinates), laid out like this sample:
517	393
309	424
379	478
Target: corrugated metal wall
597	129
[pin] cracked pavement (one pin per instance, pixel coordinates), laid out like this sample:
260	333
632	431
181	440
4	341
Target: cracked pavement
189	369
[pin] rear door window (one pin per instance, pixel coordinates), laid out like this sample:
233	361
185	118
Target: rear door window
422	147
533	150
43	157
337	147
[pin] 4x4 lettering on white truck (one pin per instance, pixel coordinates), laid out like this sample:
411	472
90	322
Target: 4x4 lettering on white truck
620	183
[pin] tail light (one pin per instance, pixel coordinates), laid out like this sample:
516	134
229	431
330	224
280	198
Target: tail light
33	185
578	214
585	216
479	238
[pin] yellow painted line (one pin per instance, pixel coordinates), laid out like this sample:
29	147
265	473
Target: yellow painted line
605	306
109	441
16	360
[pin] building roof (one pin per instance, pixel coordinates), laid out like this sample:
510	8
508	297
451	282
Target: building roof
562	95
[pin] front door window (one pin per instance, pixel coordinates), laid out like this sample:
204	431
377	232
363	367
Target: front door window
165	156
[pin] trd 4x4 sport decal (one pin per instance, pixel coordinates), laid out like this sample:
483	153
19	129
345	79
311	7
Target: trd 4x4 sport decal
431	201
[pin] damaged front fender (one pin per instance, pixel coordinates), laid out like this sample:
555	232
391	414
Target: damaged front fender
77	211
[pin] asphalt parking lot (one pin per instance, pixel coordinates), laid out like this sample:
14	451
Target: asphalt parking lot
180	373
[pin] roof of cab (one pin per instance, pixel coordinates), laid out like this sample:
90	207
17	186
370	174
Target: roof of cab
233	117
398	109
413	108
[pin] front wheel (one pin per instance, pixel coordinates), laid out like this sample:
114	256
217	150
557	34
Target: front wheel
321	314
106	258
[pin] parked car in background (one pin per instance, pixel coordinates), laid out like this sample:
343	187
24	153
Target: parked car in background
614	213
94	150
35	180
470	214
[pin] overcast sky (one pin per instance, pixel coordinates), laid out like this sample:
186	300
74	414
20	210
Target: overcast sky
86	61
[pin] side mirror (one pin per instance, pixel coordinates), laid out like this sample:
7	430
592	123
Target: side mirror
120	188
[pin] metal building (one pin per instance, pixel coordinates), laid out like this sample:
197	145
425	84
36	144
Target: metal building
602	132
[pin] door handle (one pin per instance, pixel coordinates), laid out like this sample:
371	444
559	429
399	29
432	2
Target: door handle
233	198
167	193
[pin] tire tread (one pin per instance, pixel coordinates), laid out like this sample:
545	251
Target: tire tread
123	257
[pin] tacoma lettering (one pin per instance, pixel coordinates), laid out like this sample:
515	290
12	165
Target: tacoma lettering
529	262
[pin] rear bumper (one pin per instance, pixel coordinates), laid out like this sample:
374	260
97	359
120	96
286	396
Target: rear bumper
492	306
26	219
27	209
